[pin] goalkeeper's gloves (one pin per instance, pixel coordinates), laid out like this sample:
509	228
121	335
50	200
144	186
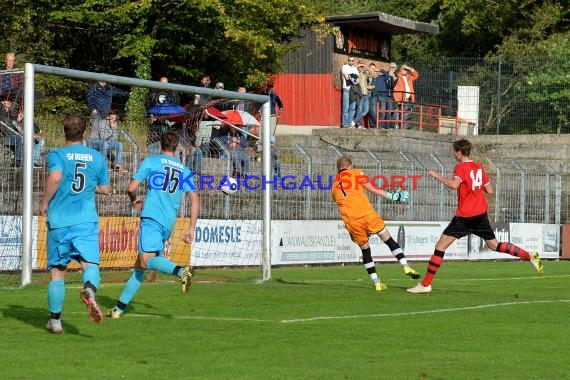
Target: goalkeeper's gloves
398	196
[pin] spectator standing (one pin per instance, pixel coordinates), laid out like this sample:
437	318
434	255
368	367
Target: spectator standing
275	104
106	140
157	124
14	131
349	76
276	108
363	104
13	141
404	94
11	83
203	99
243	105
275	159
224	105
75	174
160	96
219	133
100	100
371	85
39	144
204	133
391	81
386	82
194	160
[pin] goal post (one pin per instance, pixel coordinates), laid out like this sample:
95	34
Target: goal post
30	71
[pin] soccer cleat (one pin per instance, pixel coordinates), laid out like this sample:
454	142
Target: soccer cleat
54	325
419	288
114	314
536	262
380	287
88	297
186	279
411	272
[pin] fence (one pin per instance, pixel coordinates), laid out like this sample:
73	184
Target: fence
513	95
526	191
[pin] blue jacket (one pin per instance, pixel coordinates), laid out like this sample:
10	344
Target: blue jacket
100	98
382	85
274	101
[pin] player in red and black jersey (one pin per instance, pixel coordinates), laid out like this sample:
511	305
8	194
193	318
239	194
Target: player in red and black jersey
471	182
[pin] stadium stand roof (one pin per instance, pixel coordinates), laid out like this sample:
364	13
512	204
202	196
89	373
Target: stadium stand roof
380	22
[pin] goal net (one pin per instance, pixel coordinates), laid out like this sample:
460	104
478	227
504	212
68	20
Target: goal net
218	139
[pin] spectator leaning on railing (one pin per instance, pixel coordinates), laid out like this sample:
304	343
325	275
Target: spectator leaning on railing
404	94
385	83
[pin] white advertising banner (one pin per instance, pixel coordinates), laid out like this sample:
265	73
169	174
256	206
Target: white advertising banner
325	241
311	241
11	242
417	239
478	250
239	242
543	238
227	243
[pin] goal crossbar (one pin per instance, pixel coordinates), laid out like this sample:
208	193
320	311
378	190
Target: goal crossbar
27	154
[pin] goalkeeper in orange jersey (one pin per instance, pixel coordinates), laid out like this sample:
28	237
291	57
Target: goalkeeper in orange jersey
360	218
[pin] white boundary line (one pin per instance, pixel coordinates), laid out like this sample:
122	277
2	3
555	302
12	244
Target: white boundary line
355	316
411	313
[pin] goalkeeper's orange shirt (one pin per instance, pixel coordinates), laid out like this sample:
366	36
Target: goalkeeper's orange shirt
350	195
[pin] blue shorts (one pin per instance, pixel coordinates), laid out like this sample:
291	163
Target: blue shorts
79	242
152	236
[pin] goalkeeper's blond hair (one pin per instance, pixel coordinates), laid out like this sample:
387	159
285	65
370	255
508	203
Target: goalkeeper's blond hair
343	163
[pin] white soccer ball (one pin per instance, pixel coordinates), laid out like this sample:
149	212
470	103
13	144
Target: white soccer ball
229	186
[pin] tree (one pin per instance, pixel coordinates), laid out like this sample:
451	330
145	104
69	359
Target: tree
238	41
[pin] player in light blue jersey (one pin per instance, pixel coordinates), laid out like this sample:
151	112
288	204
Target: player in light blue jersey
167	181
76	173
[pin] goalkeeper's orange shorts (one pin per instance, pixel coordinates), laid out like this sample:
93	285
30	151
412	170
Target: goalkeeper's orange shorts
360	228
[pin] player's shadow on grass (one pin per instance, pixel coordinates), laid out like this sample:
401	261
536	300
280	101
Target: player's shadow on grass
37	318
106	302
290	282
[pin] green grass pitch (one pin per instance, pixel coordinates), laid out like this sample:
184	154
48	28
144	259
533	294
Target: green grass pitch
483	320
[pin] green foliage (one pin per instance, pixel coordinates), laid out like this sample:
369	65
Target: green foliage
60	95
237	42
551	83
242	42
